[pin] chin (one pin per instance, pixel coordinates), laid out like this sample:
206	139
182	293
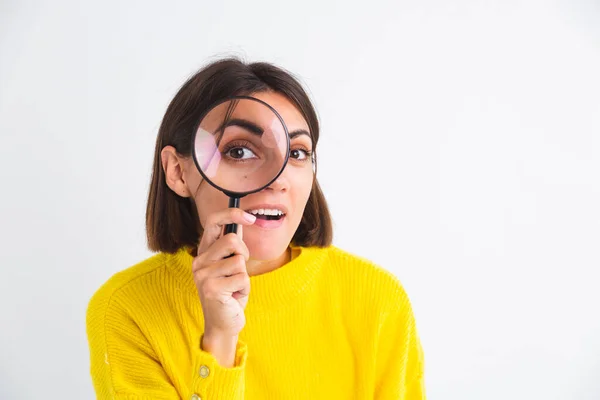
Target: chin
263	248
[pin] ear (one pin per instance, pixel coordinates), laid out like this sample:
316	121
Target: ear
173	165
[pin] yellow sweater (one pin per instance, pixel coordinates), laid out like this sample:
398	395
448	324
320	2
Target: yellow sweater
327	325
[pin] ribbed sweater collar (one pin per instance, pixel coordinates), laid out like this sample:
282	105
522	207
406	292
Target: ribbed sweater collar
268	291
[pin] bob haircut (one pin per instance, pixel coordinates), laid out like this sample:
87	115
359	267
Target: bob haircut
171	220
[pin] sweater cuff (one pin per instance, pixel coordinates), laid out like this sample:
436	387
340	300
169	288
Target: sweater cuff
212	381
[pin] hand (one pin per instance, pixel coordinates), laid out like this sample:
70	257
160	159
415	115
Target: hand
223	283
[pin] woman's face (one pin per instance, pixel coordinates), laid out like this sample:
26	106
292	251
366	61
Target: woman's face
267	239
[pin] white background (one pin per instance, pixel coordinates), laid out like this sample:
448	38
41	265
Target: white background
460	150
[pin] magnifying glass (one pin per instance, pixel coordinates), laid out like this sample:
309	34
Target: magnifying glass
240	146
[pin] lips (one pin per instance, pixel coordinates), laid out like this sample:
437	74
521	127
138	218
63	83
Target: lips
268	216
267	210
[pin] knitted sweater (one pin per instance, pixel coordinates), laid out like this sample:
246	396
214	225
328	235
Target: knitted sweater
326	325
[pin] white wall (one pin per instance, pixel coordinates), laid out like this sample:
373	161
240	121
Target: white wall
468	133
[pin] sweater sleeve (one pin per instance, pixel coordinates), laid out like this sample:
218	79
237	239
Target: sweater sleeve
125	366
400	360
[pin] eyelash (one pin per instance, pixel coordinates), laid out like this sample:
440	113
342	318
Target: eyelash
246	144
306	151
235	144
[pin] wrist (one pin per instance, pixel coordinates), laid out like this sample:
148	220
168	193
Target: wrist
221	346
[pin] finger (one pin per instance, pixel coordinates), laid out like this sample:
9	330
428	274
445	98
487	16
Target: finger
215	223
223	268
240	231
239	283
228	245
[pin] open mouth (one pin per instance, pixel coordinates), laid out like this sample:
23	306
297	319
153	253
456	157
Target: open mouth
267	214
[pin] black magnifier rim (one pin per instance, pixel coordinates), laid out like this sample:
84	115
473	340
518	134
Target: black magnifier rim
225	191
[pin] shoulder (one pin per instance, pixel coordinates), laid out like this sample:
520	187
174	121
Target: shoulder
116	317
358	268
118	286
367	282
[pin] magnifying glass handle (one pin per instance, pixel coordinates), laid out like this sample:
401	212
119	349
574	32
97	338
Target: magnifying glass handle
234	202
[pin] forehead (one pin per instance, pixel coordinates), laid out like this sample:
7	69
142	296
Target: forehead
290	114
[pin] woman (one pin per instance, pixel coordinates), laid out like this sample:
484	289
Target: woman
319	322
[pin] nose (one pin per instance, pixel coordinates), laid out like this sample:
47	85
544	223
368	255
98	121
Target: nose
281	184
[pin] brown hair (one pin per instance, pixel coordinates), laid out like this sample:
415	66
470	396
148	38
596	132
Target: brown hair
171	220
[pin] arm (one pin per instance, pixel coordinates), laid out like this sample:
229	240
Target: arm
125	366
400	361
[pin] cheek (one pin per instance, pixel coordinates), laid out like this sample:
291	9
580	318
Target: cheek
208	201
303	187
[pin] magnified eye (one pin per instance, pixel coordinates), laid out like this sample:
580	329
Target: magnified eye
240	153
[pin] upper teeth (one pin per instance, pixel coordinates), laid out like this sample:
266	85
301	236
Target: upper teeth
266	211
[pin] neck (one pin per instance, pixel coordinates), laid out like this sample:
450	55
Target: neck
256	267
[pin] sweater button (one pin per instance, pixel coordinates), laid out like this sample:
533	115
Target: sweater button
204	371
196	397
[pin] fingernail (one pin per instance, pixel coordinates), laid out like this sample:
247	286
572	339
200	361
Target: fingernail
249	217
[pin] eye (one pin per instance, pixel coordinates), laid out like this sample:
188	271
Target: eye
299	154
240	153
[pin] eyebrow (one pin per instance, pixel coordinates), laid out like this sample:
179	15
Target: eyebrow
245	124
257	130
299	132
